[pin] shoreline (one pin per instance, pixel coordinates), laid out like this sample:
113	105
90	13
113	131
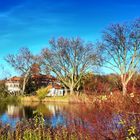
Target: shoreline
62	99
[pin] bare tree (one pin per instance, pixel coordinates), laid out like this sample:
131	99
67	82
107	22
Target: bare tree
69	59
120	49
22	62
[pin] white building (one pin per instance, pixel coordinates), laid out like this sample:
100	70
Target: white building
56	92
13	84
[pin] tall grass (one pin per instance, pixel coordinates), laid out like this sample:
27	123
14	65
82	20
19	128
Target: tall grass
34	130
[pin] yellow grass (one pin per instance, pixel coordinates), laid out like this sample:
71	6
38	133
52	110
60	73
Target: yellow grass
66	99
29	99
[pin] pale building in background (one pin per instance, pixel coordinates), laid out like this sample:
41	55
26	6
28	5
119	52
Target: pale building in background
13	84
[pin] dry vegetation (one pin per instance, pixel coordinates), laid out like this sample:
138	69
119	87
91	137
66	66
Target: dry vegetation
107	117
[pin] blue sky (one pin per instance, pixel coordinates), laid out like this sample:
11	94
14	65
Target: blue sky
31	23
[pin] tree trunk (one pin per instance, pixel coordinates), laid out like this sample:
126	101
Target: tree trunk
124	86
25	80
23	86
71	90
65	91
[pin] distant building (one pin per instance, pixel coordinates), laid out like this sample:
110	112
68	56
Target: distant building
41	80
56	90
13	84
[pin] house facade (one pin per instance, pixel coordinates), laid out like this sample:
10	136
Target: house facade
56	90
41	80
13	84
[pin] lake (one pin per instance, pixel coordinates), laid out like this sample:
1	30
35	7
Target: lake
100	119
54	113
85	116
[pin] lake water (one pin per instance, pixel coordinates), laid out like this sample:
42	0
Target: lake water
13	113
95	119
86	116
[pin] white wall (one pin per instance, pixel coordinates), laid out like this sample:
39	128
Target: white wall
13	86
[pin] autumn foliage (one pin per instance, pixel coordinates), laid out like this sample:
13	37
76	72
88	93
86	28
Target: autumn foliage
106	84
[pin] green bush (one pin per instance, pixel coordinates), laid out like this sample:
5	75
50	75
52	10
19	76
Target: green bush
42	92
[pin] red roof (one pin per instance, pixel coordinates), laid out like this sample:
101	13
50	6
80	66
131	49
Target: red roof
15	78
56	86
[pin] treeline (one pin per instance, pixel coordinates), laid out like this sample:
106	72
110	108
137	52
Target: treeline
109	84
70	59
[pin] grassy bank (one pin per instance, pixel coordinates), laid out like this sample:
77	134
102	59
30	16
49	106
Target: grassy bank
65	99
83	98
10	99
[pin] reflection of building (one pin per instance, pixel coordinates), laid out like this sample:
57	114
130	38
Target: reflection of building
54	108
13	84
15	111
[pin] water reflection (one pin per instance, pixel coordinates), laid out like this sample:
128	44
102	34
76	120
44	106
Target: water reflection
53	113
12	115
15	111
79	115
7	120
